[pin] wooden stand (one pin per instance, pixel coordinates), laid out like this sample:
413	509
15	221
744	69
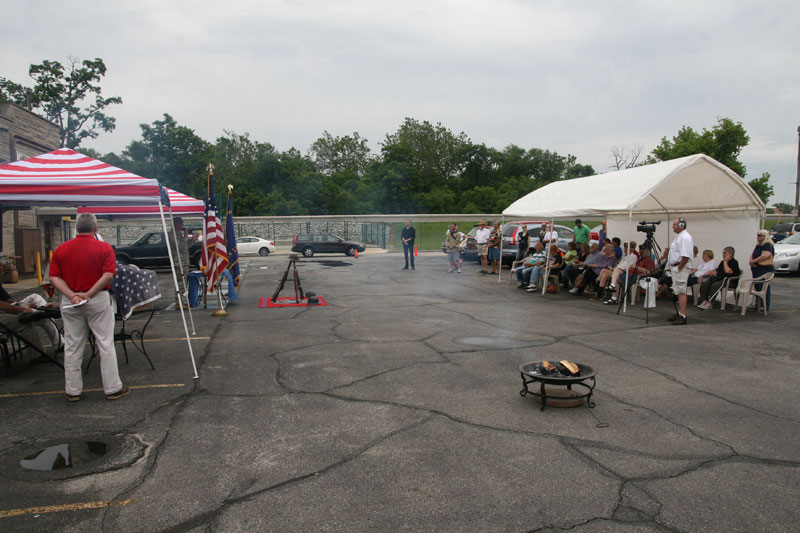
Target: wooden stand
298	289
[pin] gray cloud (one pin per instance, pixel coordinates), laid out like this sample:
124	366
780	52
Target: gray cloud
575	77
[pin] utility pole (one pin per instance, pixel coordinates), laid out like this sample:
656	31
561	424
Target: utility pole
797	181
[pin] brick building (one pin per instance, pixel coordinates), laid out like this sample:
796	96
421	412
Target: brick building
24	134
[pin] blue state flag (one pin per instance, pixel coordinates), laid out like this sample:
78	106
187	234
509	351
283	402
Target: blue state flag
233	252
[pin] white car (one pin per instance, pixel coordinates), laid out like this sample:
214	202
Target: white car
787	254
254	245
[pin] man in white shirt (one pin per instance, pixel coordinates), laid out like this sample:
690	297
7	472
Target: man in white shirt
678	257
482	240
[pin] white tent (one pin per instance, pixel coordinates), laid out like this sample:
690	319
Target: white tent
719	207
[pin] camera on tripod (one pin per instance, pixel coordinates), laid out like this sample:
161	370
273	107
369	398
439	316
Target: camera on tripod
648	228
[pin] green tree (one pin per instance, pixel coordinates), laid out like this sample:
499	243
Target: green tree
172	154
431	148
762	187
723	142
784	207
341	154
71	98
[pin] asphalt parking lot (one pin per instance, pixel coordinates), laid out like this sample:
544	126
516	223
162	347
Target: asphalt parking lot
397	407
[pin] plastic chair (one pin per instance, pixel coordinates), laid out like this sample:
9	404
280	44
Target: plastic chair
749	289
723	292
514	265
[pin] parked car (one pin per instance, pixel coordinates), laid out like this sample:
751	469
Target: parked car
781	230
150	250
511	231
309	244
787	254
254	245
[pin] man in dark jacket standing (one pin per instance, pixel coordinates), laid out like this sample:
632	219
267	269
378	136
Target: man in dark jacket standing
408	236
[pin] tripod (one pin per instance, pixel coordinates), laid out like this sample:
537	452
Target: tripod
651	248
298	290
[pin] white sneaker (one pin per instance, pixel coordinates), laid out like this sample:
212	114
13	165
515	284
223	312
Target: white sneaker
449	270
574	290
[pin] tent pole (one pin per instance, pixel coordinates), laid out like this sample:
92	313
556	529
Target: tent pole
175	281
547	261
183	274
625	292
502	223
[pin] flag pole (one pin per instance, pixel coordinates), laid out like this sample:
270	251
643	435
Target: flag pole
221	309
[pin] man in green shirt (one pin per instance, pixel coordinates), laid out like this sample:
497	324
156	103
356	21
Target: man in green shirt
581	233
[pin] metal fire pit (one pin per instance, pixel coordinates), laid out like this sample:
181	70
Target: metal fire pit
566	397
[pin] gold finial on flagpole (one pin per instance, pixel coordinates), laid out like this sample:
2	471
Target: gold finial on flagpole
210	168
230	188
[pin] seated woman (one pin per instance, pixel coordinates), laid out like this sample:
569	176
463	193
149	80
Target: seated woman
9	316
727	268
696	274
554	262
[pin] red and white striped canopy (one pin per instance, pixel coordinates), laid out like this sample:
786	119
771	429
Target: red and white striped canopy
182	205
65	177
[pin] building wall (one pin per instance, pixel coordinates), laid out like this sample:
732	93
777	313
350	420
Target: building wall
22	135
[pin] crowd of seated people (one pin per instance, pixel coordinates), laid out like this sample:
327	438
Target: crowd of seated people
612	269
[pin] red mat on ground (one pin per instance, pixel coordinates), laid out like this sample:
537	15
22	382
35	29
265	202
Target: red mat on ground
289	301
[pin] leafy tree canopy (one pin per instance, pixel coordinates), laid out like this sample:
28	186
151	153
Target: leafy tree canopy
762	187
71	98
723	142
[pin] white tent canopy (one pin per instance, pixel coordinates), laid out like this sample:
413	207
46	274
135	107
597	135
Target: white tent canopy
719	207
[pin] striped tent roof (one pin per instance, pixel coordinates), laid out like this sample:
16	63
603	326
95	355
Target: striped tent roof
67	178
182	205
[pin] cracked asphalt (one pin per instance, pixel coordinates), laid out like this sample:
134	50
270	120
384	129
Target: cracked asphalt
397	408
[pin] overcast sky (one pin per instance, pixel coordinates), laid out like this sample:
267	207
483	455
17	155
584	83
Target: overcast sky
576	77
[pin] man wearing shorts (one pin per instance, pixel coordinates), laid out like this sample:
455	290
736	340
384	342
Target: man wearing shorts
678	258
453	240
482	242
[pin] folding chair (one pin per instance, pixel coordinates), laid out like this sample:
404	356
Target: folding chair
18	345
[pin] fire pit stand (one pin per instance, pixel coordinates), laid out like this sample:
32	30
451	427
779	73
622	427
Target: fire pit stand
559	397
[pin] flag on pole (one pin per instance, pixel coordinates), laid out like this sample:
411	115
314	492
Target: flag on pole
214	253
230	236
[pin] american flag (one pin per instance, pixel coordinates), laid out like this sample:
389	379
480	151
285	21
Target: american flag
215	255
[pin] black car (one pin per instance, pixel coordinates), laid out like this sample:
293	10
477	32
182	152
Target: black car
309	244
149	250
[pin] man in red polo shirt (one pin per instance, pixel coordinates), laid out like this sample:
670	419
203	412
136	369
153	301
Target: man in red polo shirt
81	270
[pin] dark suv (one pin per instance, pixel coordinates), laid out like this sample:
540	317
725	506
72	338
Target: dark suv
781	230
309	244
149	250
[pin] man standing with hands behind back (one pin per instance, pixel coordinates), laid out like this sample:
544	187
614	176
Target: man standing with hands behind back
408	236
679	255
81	270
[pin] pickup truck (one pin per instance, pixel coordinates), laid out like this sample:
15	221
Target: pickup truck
149	250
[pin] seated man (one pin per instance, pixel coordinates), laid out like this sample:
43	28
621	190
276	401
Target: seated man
9	316
571	272
537	258
626	262
636	268
554	261
607	260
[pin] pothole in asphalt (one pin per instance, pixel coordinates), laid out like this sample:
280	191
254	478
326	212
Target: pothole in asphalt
72	456
65	455
332	263
490	342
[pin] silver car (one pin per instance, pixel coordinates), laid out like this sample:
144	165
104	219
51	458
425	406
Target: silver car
787	254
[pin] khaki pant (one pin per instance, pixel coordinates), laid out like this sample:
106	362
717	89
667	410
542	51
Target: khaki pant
95	315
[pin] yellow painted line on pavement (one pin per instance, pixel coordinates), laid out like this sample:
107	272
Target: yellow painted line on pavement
45	393
66	507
